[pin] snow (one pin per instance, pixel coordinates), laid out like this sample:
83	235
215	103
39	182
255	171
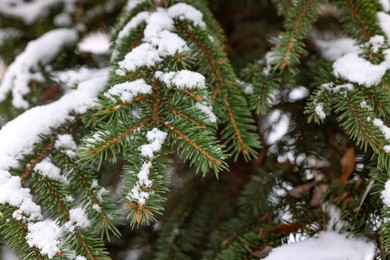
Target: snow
156	138
77	219
185	11
382	127
69	78
94	184
319	109
183	79
39	51
69	198
326	245
377	42
208	111
386	194
3	69
159	41
333	49
143	55
131	4
141	17
80	258
355	69
30	125
65	141
248	89
30	11
45	235
12	193
384	22
127	91
342	89
298	93
62	20
137	193
47	169
278	124
96	43
7	253
41	120
158	22
364	104
97	207
385	5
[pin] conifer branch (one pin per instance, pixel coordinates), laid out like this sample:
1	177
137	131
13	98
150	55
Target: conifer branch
179	113
243	147
212	160
118	138
33	162
210	59
292	39
359	19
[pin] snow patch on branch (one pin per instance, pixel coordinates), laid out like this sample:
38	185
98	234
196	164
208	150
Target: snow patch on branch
183	11
65	141
159	40
325	245
47	169
208	111
77	219
12	193
156	139
138	193
127	91
382	127
45	235
38	52
355	69
385	5
68	79
131	4
18	136
384	22
141	17
319	109
95	43
386	194
30	11
377	42
184	79
333	49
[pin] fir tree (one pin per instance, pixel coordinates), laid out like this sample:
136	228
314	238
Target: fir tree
194	129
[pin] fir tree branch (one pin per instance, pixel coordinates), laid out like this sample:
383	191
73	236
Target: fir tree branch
179	113
210	59
116	139
243	146
357	16
292	39
33	162
212	160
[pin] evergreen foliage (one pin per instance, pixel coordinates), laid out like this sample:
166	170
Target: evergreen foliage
194	129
